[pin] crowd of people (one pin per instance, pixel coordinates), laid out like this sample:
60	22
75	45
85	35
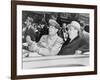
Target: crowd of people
54	39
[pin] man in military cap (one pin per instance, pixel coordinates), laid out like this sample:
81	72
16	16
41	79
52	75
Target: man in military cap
50	44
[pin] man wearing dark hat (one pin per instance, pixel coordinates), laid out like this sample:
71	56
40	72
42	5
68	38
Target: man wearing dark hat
50	44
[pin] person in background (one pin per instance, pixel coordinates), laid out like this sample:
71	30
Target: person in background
64	32
36	30
43	29
84	34
29	33
76	44
86	28
49	45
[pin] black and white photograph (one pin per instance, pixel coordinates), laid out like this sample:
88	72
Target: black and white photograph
54	39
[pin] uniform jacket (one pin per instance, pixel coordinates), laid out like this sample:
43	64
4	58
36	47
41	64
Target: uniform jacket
50	45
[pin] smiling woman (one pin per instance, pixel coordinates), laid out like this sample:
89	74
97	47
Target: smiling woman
44	55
